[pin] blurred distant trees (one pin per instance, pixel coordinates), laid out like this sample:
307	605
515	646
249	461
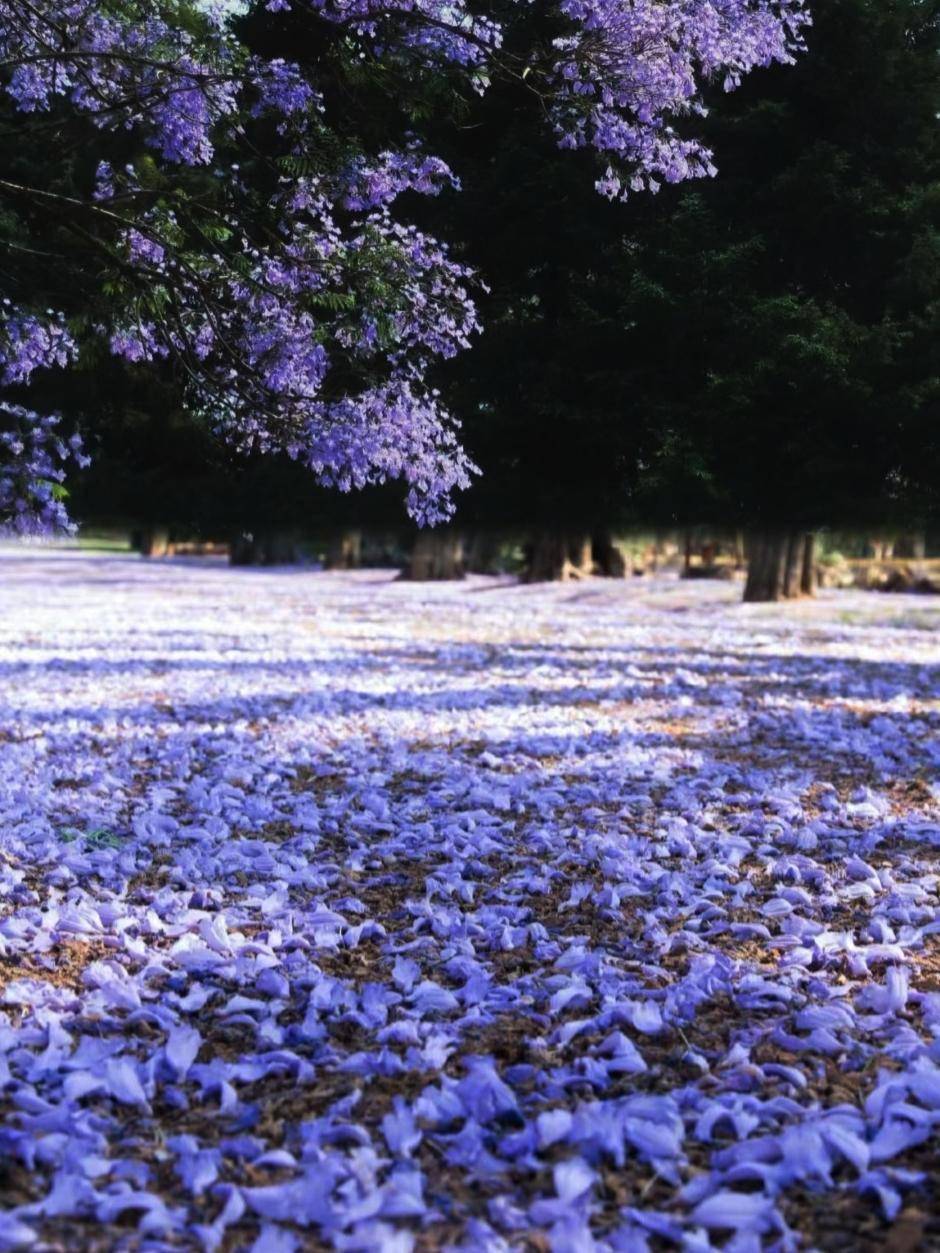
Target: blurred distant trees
760	351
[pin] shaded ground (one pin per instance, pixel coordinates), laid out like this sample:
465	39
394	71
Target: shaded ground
336	912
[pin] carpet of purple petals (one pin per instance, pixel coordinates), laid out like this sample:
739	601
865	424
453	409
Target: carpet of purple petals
343	913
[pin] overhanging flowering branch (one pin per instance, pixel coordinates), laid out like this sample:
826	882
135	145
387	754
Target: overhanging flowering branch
236	226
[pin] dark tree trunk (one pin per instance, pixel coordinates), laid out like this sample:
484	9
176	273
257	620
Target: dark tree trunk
912	545
546	558
344	551
554	556
767	566
793	569
609	558
155	542
264	548
687	566
244	550
282	549
437	554
482	553
777	566
808	578
740	557
581	554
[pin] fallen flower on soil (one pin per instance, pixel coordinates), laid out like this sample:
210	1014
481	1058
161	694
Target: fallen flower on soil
336	912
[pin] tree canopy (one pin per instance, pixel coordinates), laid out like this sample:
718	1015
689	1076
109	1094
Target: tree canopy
783	320
226	189
756	349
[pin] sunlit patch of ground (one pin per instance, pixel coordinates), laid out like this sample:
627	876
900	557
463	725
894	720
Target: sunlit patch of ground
341	912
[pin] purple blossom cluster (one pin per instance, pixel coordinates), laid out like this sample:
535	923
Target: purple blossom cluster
352	913
33	456
137	70
269	301
28	343
267	319
34	459
372	185
628	71
434	31
619	78
390	433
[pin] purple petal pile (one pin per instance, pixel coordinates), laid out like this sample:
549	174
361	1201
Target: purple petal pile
337	912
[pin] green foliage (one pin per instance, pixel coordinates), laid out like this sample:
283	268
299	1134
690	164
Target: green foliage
96	840
795	349
762	346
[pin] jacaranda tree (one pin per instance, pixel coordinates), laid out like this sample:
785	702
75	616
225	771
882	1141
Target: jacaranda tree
222	187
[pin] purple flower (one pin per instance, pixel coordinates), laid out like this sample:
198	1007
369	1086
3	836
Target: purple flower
736	1211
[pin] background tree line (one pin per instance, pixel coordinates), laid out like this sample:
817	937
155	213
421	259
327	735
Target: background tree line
757	352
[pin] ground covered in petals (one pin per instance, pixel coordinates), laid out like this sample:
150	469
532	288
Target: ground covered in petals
337	912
